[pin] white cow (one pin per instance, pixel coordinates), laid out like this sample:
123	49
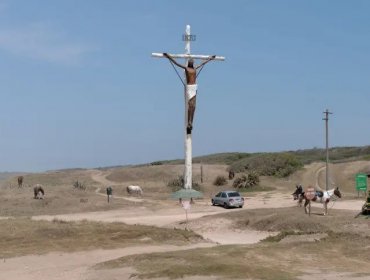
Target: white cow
134	190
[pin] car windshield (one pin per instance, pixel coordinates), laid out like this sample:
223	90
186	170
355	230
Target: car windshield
233	194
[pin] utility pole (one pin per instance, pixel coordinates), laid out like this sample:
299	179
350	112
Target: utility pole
326	119
188	37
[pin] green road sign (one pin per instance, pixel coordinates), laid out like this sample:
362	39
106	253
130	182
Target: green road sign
361	182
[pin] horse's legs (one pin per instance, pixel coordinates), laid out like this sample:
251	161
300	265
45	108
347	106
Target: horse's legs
305	205
325	208
300	201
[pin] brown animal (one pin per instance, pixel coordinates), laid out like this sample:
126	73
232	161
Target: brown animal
38	192
231	175
299	195
20	181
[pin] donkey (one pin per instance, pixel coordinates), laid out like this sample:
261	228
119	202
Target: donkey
324	198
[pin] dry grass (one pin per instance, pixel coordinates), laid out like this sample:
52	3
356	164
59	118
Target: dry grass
271	261
226	262
24	236
53	178
294	219
340	249
342	175
346	244
58	200
61	197
154	179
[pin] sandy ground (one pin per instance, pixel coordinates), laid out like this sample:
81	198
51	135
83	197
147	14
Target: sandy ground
75	266
61	266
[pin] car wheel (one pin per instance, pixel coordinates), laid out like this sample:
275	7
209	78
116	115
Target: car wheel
226	206
240	206
213	202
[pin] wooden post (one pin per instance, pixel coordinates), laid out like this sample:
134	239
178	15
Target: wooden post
201	173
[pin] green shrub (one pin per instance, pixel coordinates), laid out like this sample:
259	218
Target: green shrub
178	183
252	180
79	185
279	164
246	181
239	182
156	163
220	181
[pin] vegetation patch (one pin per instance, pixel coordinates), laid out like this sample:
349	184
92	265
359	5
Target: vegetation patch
293	219
281	236
25	236
219	261
278	164
79	185
338	237
255	189
178	183
266	260
238	161
246	181
220	181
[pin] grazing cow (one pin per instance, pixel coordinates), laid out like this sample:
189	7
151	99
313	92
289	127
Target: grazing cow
38	192
20	181
134	190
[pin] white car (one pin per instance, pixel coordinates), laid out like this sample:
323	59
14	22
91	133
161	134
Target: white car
228	199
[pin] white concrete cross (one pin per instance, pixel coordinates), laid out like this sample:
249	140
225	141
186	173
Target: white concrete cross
188	137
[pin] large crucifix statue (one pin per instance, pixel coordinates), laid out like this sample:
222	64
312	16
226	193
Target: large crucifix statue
190	90
190	86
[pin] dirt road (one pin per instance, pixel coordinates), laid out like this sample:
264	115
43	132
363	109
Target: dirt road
74	266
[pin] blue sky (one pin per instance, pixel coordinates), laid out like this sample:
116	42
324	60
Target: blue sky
79	88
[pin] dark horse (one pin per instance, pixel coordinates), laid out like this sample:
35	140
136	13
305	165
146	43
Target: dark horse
298	195
38	192
20	181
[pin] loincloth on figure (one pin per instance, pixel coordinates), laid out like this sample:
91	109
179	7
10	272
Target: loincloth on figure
191	91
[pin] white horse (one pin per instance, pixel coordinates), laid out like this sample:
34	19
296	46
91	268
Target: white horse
134	190
324	199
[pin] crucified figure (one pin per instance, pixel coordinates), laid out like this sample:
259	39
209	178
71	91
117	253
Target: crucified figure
191	85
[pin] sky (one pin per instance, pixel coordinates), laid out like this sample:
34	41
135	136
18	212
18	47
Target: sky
79	88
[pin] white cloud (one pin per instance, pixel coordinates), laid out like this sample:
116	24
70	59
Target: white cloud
39	41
